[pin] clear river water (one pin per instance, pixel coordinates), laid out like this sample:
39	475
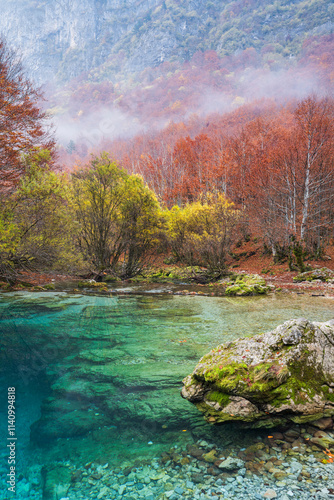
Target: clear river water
97	381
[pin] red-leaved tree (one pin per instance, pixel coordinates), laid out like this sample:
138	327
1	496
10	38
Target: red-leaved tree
23	124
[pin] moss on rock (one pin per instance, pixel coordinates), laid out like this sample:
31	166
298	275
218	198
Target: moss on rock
248	284
270	379
324	274
92	284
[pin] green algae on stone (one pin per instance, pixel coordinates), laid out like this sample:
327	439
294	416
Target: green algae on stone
248	284
152	408
66	418
169	274
105	387
286	375
93	284
49	286
101	355
323	274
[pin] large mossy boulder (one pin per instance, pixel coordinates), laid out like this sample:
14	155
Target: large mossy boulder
271	379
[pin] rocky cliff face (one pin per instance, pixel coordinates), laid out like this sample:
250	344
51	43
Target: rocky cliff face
59	40
64	38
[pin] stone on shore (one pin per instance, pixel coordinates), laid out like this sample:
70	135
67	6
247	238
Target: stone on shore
323	274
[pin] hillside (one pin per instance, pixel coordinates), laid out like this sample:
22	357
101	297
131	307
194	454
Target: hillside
117	68
113	39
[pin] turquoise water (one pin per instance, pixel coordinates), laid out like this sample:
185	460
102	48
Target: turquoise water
98	378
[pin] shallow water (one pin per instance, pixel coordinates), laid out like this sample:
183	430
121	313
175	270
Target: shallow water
98	377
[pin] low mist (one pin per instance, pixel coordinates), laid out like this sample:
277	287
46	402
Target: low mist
109	123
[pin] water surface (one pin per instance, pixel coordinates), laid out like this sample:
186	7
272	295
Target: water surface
98	378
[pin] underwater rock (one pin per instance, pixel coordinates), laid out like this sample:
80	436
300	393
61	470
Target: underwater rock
323	440
323	423
100	391
64	418
280	377
231	463
210	457
57	481
150	409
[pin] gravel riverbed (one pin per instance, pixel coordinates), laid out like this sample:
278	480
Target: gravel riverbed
284	465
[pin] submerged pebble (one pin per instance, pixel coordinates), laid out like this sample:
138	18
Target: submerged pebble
253	473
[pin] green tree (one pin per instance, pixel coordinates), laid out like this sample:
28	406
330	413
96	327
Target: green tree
140	225
201	233
98	190
42	214
36	227
119	217
9	239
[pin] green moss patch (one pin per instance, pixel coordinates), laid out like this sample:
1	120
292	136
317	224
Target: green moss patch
248	284
254	382
218	397
92	284
167	275
324	274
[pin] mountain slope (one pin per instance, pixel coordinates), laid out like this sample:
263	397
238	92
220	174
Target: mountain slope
111	39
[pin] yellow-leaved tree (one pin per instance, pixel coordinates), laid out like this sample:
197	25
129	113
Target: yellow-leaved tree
201	233
119	217
36	227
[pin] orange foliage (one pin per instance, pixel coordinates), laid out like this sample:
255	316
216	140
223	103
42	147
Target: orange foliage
21	118
257	154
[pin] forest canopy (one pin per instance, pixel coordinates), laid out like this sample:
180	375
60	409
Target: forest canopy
187	192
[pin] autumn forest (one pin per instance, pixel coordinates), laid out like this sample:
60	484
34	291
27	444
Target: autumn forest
185	189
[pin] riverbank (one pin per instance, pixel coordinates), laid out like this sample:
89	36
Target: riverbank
247	258
277	281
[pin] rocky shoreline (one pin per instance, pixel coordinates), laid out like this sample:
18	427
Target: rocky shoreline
319	282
